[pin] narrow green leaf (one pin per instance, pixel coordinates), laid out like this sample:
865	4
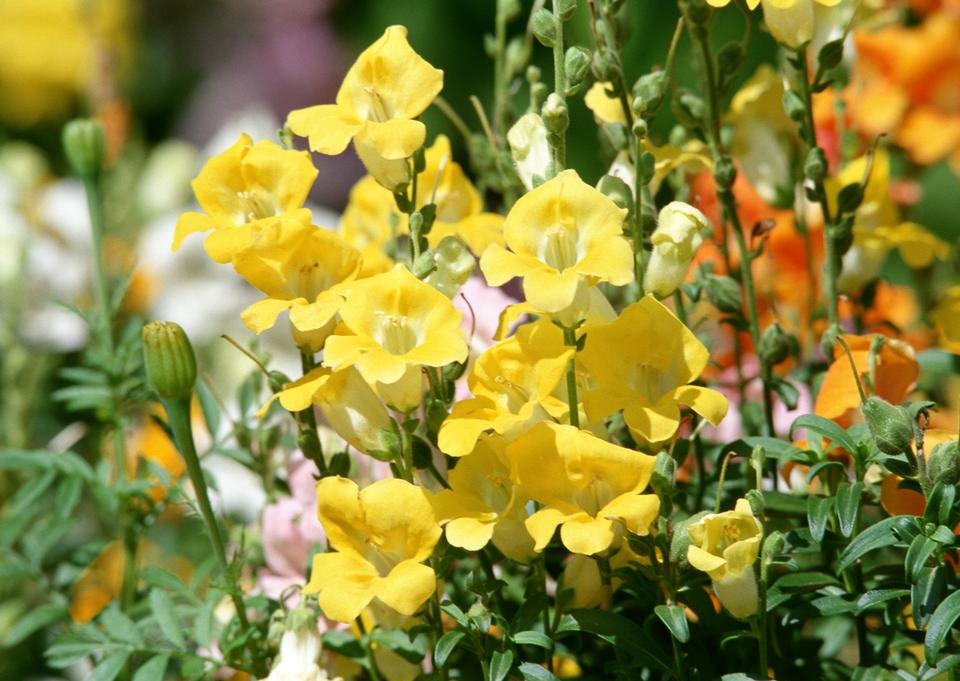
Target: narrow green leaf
805	581
848	506
68	495
675	620
533	638
33	621
821	466
446	645
120	627
939	626
153	669
203	626
921	548
156	576
500	663
940	504
818	514
109	668
878	596
30	492
209	407
534	672
621	633
927	593
872	538
826	428
166	616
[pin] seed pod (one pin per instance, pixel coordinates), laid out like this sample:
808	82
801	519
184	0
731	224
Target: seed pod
889	425
774	345
944	463
723	293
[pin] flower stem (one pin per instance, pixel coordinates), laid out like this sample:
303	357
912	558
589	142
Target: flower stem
368	649
570	339
307	438
91	185
178	416
559	146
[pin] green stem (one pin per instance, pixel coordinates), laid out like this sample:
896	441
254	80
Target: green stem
101	284
570	339
547	622
437	611
178	416
368	649
308	438
559	87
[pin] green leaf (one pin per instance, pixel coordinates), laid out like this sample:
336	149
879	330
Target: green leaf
833	605
534	672
939	626
805	581
203	626
818	514
166	616
153	669
675	620
456	613
67	497
622	633
927	593
533	638
209	407
826	428
874	537
820	466
33	621
500	663
398	642
343	643
30	492
940	504
446	645
878	596
110	667
921	548
120	627
156	576
848	506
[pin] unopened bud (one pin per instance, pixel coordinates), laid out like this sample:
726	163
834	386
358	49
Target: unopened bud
85	146
604	66
944	463
424	265
889	425
794	106
650	88
647	167
454	265
815	167
723	293
576	62
565	8
664	475
555	114
616	190
774	345
169	360
725	173
640	129
730	57
543	27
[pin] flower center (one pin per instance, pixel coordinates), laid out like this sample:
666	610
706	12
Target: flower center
559	247
648	381
594	496
377	110
256	205
395	335
730	535
310	280
516	395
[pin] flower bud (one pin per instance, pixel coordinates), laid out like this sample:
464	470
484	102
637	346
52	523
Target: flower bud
698	12
774	345
678	136
454	265
944	463
815	167
650	88
691	108
616	190
576	64
169	360
424	265
565	9
616	134
675	241
723	292
556	117
640	129
605	67
730	57
543	27
664	475
889	425
794	107
533	74
829	340
725	173
85	146
647	166
529	148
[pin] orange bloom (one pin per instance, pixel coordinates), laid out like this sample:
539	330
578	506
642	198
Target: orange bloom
896	373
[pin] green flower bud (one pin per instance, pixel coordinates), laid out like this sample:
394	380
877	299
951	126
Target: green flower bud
454	265
640	129
616	190
509	9
794	106
815	167
544	28
678	136
605	66
889	425
415	223
616	134
533	74
691	108
169	360
829	340
518	54
565	8
725	173
944	463
680	542
697	12
774	345
850	198
730	58
555	114
651	88
647	166
723	293
576	62
424	265
664	474
85	146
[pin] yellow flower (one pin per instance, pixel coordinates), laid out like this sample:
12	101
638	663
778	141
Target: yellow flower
675	242
606	109
946	317
393	323
752	4
877	227
348	403
725	546
382	535
244	189
564	236
366	225
387	87
648	379
299	267
513	383
529	149
484	505
588	487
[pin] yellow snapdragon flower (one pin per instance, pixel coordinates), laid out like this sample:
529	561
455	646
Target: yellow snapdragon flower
675	242
244	189
725	546
298	267
589	487
752	4
383	92
877	227
564	236
791	22
484	505
946	317
382	535
606	109
648	379
514	384
368	224
348	404
392	325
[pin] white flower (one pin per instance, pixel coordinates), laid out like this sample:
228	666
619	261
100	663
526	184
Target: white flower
528	145
675	242
297	661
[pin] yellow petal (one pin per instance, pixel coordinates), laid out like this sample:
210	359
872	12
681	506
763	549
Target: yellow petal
653	423
329	127
285	175
500	265
637	511
263	314
345	583
190	223
395	139
298	395
585	535
710	404
469	533
407	587
98	584
704	561
542	524
224	242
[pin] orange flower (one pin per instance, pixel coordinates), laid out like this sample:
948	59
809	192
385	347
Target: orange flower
898	500
896	372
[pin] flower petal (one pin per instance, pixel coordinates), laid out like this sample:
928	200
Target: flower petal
330	127
407	587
